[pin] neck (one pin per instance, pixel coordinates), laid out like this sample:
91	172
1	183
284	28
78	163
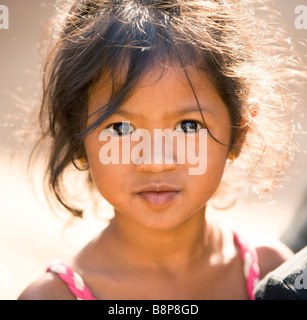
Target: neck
161	248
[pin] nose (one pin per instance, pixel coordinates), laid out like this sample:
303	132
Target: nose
155	168
155	162
157	157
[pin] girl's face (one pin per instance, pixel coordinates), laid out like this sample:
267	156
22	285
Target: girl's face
155	195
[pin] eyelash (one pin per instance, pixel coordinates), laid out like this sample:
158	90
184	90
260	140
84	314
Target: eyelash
198	126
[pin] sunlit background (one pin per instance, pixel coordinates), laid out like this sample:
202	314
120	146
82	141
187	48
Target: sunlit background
30	234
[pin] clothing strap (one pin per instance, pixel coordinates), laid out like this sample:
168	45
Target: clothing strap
250	264
82	292
73	280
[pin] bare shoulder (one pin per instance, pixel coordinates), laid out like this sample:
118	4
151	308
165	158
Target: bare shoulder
48	287
271	254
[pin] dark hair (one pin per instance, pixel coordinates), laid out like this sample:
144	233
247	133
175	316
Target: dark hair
96	39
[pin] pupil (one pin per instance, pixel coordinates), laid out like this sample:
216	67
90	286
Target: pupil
189	126
121	128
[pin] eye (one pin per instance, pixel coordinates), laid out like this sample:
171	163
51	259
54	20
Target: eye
121	128
188	126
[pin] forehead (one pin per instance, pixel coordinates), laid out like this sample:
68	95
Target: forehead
161	88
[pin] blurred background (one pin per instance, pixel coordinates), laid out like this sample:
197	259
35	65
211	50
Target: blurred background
31	235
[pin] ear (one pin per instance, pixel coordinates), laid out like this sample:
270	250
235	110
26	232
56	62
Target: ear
253	107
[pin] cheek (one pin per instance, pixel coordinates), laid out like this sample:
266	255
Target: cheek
202	187
91	146
216	157
108	179
216	161
98	171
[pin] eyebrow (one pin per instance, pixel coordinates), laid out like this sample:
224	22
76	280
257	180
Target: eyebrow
168	115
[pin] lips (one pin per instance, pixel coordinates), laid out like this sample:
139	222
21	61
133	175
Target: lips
158	195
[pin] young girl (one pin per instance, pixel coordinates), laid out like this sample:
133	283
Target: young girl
120	66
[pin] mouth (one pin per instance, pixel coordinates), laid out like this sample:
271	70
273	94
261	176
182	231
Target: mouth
158	195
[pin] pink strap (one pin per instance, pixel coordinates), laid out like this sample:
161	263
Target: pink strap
250	264
73	280
82	292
